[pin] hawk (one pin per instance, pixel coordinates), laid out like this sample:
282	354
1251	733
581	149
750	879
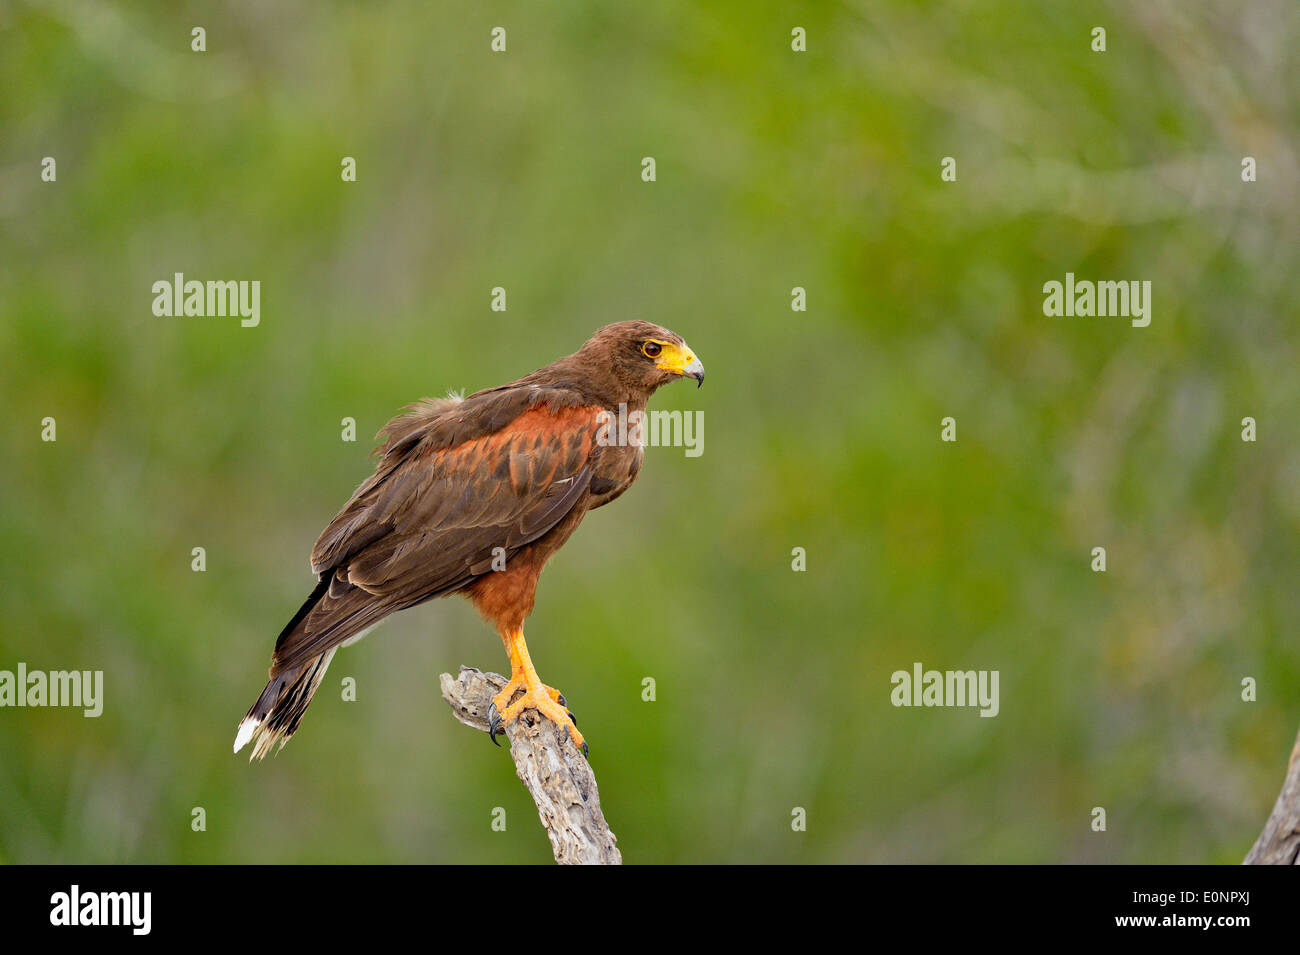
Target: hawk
472	496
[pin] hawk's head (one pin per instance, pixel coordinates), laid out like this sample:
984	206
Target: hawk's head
643	355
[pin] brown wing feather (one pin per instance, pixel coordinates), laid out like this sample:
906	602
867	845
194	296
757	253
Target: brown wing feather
427	522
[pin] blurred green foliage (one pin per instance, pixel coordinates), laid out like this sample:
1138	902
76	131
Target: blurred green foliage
775	169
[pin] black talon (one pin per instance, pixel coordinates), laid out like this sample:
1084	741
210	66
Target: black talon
572	719
494	724
586	753
560	699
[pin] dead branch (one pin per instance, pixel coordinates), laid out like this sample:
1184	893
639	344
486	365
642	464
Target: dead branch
557	776
1279	843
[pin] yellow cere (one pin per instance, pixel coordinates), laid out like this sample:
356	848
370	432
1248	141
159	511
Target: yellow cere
673	358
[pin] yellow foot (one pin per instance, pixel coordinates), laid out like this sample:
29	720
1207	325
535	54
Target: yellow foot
546	700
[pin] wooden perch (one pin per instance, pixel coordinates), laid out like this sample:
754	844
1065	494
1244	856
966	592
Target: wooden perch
557	776
1279	843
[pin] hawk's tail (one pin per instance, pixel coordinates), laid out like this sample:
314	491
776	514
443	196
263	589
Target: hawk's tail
277	712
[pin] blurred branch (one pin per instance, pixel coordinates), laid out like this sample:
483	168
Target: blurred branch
1279	843
558	778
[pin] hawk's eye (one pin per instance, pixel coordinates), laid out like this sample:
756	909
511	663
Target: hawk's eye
651	349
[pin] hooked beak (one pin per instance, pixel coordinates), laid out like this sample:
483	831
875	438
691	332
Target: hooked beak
695	370
680	360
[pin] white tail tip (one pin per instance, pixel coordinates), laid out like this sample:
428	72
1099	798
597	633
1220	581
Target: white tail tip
246	730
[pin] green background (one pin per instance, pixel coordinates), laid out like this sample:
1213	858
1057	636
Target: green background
775	169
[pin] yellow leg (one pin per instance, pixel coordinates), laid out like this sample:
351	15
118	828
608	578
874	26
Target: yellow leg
549	702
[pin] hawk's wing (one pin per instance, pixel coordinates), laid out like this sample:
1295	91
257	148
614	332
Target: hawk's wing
430	518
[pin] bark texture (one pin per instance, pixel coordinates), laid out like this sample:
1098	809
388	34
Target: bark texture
555	773
1279	843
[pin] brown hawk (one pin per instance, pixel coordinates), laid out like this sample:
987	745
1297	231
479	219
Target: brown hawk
472	496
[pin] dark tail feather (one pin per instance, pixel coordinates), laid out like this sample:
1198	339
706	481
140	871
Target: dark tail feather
278	711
